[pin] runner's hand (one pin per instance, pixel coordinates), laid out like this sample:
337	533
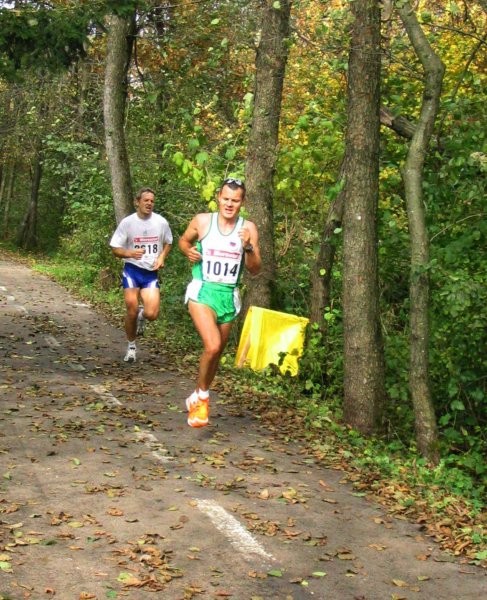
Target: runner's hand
138	253
193	255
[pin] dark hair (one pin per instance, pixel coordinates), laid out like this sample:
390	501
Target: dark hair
234	184
143	191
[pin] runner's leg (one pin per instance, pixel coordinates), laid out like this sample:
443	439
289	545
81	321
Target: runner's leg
151	299
213	336
131	296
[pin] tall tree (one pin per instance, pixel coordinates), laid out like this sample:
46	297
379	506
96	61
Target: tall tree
271	58
27	236
363	352
6	189
120	40
419	386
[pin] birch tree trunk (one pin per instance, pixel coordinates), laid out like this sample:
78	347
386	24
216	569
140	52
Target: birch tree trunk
425	421
363	352
121	31
270	62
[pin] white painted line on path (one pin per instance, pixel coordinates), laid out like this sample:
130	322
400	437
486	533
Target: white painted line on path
146	437
76	367
19	307
150	440
109	398
239	537
52	341
227	524
11	300
161	457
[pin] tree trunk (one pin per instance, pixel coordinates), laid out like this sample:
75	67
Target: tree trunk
271	58
27	237
320	296
425	421
119	51
363	351
7	190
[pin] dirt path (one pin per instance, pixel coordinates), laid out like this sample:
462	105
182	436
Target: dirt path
105	492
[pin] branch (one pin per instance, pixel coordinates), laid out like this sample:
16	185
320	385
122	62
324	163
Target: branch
400	125
433	69
450	225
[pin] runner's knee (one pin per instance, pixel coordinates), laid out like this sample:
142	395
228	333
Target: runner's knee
151	313
132	308
213	349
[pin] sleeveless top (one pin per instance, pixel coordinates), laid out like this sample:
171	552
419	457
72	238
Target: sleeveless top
222	255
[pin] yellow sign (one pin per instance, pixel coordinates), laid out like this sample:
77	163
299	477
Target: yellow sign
266	335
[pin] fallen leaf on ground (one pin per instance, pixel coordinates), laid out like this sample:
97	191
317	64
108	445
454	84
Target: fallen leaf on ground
378	547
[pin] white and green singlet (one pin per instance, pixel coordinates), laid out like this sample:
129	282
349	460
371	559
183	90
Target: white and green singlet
216	276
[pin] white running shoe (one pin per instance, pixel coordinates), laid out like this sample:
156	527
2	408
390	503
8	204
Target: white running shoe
191	400
140	321
131	355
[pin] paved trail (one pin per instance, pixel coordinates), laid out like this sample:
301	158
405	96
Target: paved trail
105	492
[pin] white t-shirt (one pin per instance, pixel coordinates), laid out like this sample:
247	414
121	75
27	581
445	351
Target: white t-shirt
152	234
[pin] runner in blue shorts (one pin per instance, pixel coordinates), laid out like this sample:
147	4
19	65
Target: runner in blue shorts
219	245
142	240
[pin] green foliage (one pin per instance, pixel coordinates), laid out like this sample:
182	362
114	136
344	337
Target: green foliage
88	219
74	275
121	7
397	462
41	38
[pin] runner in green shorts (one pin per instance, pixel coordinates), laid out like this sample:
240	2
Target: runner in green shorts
219	245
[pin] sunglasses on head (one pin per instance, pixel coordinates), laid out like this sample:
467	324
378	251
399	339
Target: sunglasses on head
238	182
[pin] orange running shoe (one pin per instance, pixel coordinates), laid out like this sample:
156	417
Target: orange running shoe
198	413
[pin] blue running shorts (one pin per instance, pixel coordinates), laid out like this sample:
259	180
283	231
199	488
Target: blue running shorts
136	277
